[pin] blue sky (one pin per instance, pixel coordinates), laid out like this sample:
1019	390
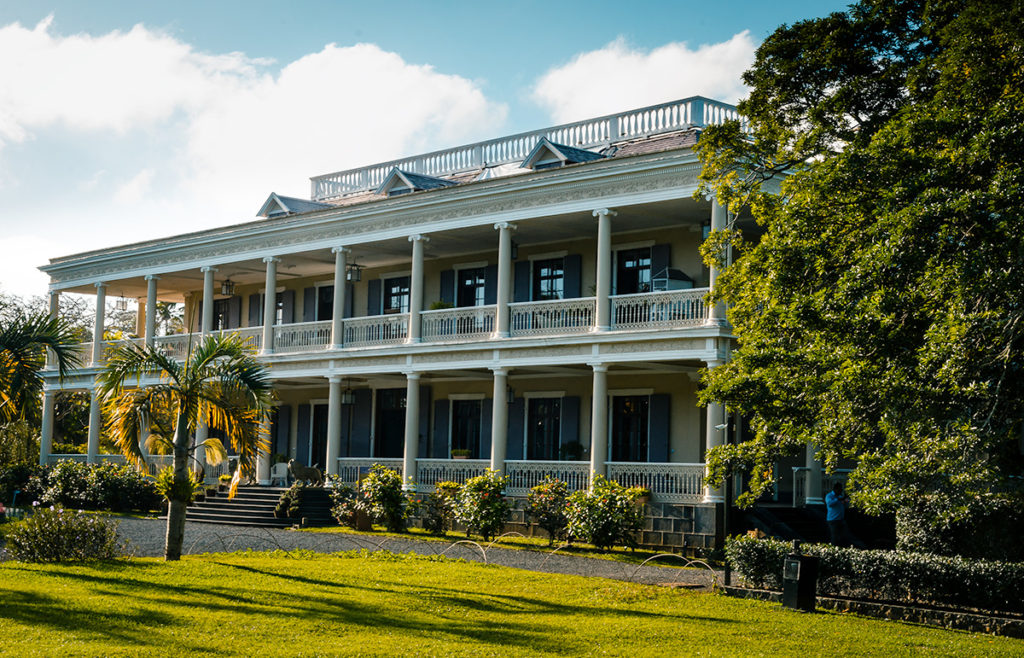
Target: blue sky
124	121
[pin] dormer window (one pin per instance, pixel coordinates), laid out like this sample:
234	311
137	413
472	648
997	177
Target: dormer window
282	206
403	182
549	155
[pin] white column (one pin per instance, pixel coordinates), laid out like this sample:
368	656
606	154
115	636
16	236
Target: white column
499	420
151	280
46	430
416	287
504	279
202	433
51	361
263	460
412	427
95	424
812	490
599	422
334	424
340	290
715	436
604	268
140	317
270	307
207	322
716	314
97	330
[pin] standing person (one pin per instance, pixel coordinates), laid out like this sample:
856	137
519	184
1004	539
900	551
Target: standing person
835	505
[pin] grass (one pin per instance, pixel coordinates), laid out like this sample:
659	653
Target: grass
516	542
359	603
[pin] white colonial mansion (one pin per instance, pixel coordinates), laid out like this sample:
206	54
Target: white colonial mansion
532	303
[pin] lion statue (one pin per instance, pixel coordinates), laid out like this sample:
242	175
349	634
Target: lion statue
310	474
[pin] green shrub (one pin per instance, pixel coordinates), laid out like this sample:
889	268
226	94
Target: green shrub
19	443
904	577
345	504
185	491
16	477
607	515
439	508
56	534
383	498
122	488
289	505
545	505
481	506
67	484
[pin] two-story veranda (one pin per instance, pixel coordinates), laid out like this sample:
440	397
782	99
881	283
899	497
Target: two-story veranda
533	304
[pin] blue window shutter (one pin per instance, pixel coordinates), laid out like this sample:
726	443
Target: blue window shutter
350	292
448	287
514	447
309	304
255	310
283	424
302	440
491	284
661	257
439	445
373	292
569	441
572	282
362	413
288	307
424	421
486	413
658	428
235	312
521	292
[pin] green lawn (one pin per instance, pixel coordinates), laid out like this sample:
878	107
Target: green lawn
270	604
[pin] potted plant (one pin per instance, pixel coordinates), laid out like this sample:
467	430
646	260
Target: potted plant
460	453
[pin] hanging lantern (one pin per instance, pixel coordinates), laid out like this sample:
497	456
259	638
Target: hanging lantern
354	273
227	287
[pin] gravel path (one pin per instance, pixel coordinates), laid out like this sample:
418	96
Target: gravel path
146	537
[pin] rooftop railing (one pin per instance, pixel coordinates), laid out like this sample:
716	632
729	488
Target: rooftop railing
696	111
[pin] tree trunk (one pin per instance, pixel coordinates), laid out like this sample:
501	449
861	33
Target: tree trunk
176	505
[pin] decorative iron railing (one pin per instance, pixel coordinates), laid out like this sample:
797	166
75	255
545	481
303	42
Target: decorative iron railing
652	310
349	468
552	317
468	323
302	336
376	330
669	483
430	472
524	475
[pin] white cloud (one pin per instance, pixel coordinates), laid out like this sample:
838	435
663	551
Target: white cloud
617	77
182	140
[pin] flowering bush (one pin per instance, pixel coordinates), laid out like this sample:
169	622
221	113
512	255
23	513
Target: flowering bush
604	516
438	507
56	534
15	477
344	502
106	486
917	578
383	499
481	506
545	504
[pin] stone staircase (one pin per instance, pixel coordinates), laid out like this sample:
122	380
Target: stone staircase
254	506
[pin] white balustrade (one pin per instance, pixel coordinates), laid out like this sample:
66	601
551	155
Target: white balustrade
524	475
176	346
350	467
467	323
587	134
429	472
650	310
302	336
669	483
551	317
376	330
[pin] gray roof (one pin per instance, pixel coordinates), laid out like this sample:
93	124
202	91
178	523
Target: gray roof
421	182
573	154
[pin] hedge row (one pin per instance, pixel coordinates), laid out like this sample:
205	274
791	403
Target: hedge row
915	578
76	485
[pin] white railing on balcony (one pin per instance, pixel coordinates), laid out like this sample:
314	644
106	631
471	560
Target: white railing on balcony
552	317
651	310
302	336
429	472
467	323
828	480
669	483
376	330
349	468
590	133
524	475
176	346
252	335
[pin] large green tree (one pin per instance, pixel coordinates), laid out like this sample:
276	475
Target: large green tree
24	341
880	314
220	383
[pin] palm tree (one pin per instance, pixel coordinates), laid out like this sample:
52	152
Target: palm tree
24	340
220	383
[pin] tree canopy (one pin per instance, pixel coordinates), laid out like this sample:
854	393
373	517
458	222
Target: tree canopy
880	316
